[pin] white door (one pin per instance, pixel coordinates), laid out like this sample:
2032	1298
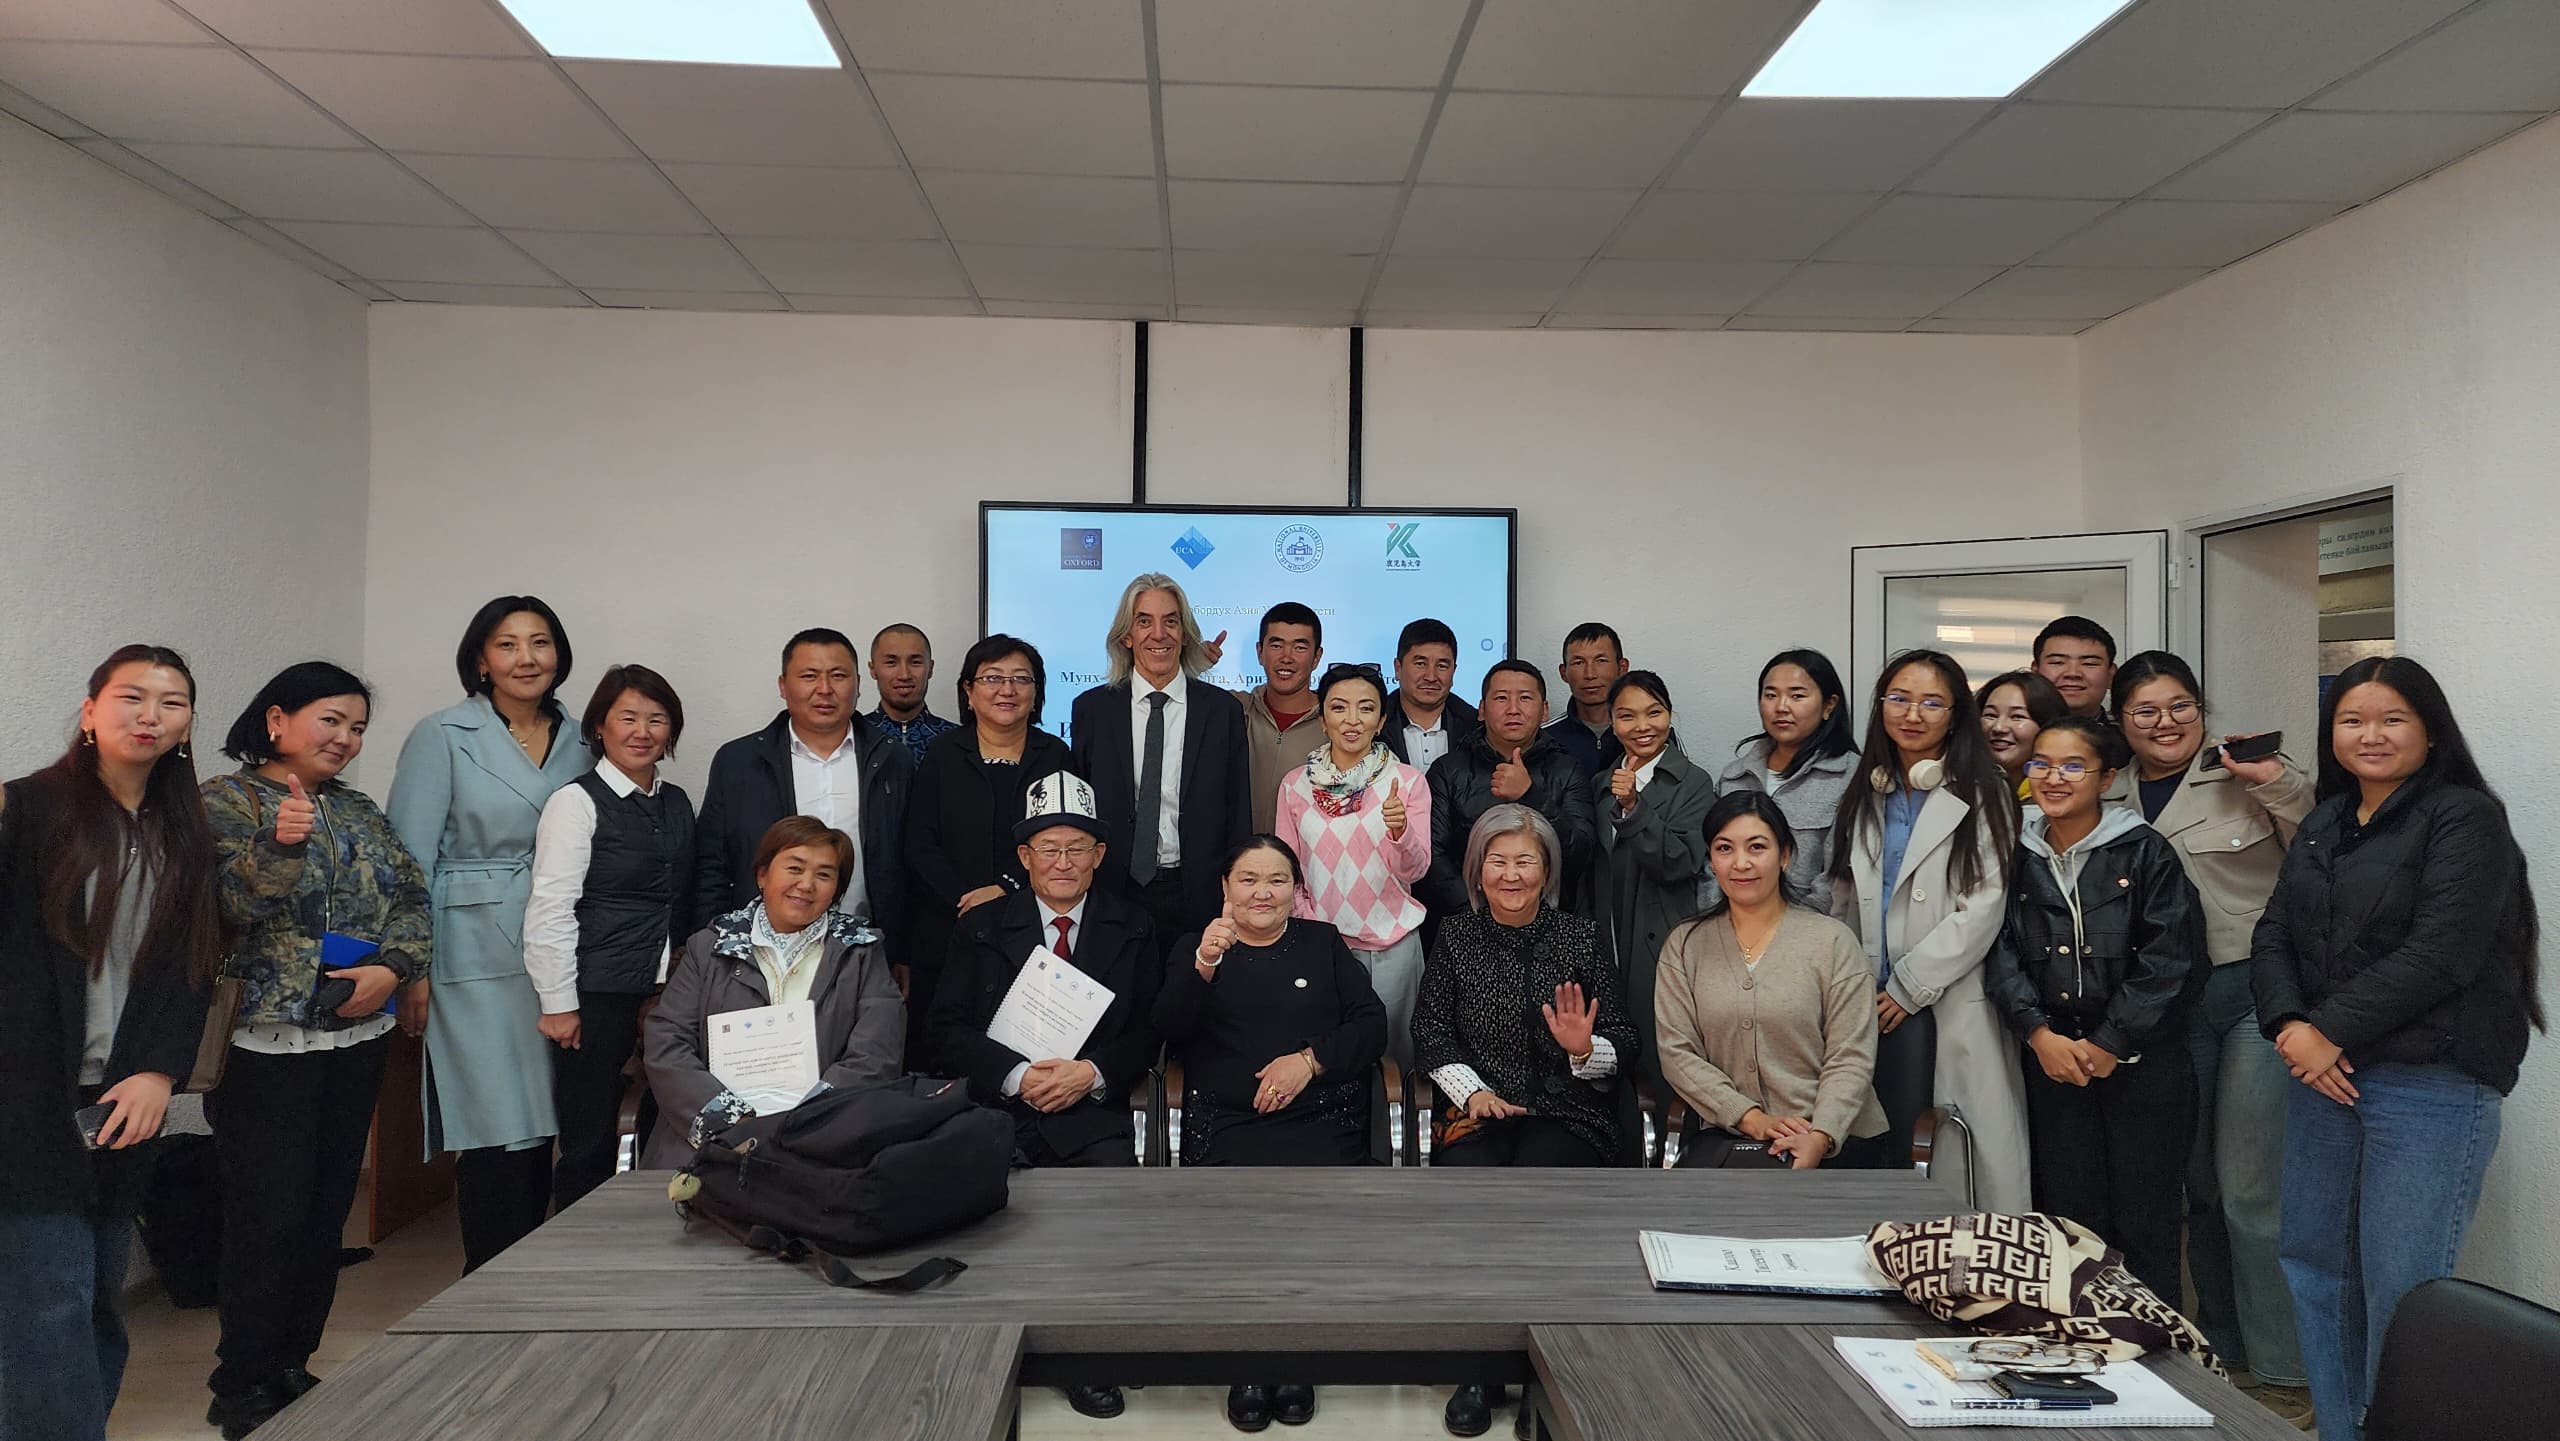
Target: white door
1982	601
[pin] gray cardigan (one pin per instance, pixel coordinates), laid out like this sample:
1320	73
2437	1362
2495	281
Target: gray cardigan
862	1023
1810	799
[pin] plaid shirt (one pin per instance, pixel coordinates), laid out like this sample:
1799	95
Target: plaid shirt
915	734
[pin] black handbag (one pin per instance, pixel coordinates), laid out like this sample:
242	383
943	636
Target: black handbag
1723	1150
865	1168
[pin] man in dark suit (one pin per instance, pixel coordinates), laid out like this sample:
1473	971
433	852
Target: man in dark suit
1423	720
1167	758
814	759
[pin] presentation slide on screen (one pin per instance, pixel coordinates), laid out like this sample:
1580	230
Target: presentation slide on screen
1054	576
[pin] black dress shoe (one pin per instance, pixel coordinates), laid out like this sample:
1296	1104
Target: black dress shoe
1293	1405
242	1412
297	1383
1249	1407
1469	1413
1101	1402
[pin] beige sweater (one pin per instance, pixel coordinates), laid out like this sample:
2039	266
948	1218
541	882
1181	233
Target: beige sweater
1794	1035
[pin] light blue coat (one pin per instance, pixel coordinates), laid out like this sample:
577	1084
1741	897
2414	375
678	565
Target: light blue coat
465	800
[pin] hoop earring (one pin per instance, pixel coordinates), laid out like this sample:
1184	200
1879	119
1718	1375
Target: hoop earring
89	739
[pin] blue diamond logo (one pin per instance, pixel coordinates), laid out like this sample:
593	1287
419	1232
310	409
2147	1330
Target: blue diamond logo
1193	547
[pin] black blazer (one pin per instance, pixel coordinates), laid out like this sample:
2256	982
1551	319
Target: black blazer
1217	786
960	822
750	789
1456	716
1117	947
44	990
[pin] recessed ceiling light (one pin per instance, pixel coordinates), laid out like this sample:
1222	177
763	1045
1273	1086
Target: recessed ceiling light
699	32
1926	49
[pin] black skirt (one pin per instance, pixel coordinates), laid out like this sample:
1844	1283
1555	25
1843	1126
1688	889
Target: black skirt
1328	1125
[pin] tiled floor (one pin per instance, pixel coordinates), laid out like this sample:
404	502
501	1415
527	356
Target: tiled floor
164	1396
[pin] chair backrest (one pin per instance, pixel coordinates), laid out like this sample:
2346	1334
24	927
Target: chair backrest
2464	1361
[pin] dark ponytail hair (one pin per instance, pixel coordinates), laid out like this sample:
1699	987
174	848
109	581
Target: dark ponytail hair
1970	772
1833	736
93	836
1736	805
2106	742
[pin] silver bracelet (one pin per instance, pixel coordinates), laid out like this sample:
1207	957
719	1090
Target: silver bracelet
1207	965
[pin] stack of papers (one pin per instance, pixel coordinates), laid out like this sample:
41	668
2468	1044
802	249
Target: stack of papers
1829	1266
1922	1395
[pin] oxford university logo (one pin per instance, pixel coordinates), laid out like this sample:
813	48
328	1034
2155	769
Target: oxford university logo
1400	552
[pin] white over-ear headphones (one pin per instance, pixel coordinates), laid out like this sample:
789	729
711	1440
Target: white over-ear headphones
1925	776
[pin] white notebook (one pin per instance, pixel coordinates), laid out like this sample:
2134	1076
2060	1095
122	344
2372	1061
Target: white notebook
1825	1266
1922	1395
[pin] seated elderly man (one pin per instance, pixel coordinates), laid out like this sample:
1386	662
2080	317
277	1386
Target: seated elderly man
1070	1110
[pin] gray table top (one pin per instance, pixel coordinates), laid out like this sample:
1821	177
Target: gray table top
943	1383
1213	1260
1786	1383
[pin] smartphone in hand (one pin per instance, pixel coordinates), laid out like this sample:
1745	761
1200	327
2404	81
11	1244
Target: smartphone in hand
92	1120
2248	748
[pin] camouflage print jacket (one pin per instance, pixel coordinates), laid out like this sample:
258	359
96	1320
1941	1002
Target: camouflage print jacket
352	876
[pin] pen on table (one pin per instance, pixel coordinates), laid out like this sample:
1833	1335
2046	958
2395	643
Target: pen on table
2015	1403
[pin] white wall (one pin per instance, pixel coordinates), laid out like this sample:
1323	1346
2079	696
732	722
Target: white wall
2417	339
182	448
688	490
1247	415
1701	491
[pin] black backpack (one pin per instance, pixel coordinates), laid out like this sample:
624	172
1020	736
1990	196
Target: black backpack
864	1168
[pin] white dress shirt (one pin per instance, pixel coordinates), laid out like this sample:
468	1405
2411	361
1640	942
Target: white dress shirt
1169	806
1422	747
1458	1080
563	844
829	787
1049	918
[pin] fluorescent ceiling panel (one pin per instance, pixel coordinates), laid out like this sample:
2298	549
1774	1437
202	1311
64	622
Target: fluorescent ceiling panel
1926	49
698	32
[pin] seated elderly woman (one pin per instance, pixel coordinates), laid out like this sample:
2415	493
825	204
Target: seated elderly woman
1766	1011
789	944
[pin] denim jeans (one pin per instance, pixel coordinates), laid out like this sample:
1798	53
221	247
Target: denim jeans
2377	1197
2235	1183
62	1351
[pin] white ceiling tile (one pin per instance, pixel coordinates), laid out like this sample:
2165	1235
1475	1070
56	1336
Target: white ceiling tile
356	185
2185	232
184	93
1227	132
388	253
1946	230
687	299
1290	282
1081	127
1256	215
1249	315
1672	287
1066	39
1867	291
1623	47
2033	292
534	295
1513	224
884	305
470	107
1701	225
1045	209
42	116
2000	327
804	265
1833	145
2264	54
1073	275
1879	325
749	113
2098	152
117	157
637	262
1308	42
2503	56
406	27
1073	310
2311	155
807	200
131	22
1450	320
521	193
1594	320
1427	283
1563	140
259	232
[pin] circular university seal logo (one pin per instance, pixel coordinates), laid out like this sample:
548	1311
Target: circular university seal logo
1299	548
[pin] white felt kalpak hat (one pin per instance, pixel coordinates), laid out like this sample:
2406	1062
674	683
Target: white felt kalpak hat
1060	799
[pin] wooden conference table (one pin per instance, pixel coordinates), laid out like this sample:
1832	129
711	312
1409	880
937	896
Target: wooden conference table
615	1320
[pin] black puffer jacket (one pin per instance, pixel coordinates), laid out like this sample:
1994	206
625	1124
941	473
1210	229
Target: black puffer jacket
1462	791
2125	973
2396	937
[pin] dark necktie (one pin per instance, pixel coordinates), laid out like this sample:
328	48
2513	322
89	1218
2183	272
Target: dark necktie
1142	858
1064	951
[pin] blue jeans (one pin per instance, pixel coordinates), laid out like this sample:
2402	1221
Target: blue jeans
2235	1183
62	1351
2377	1197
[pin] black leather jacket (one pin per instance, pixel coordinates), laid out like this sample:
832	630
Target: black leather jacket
2121	972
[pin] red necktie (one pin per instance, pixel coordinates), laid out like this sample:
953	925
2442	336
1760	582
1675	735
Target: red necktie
1065	952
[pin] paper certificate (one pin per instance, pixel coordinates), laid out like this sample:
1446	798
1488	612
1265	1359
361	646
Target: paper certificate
768	1055
1050	1011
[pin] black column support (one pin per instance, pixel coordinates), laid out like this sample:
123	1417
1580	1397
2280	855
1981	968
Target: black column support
1359	388
1138	420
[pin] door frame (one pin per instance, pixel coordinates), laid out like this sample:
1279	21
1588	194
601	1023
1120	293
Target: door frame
2186	579
2143	555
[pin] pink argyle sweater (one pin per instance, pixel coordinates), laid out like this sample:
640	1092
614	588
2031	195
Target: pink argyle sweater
1350	875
